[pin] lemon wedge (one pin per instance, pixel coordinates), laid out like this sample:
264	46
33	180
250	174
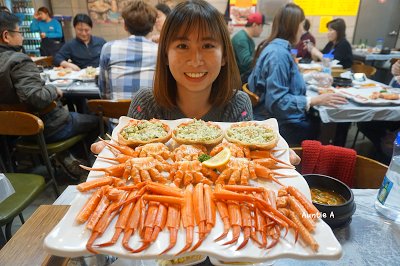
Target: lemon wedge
219	159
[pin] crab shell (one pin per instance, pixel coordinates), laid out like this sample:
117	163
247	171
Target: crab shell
264	145
137	142
199	141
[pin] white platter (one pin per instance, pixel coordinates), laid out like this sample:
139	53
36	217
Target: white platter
68	239
74	75
361	96
62	82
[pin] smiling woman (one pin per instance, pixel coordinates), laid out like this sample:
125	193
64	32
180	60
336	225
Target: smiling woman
196	74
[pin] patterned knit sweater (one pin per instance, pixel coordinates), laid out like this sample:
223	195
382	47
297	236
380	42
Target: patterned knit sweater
144	106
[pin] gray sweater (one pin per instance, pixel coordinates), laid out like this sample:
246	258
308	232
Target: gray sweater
144	106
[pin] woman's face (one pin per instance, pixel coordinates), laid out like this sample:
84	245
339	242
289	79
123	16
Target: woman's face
332	34
83	32
195	61
160	20
43	16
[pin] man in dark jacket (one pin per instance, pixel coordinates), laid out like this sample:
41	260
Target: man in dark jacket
21	83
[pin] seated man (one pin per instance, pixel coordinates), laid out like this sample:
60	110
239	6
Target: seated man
243	43
84	50
383	133
127	65
21	83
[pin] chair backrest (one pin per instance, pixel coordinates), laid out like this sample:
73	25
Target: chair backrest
368	173
253	97
23	107
45	61
366	69
358	62
14	123
108	108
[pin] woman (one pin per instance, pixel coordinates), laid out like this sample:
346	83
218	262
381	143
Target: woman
196	73
50	32
304	39
337	45
280	85
162	12
84	50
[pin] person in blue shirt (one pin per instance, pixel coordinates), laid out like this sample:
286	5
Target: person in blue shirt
50	32
84	50
280	85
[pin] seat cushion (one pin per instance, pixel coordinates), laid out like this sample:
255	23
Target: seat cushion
27	187
27	146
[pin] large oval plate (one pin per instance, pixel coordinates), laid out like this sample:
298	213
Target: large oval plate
68	239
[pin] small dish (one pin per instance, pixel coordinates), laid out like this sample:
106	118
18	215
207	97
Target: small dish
342	82
334	215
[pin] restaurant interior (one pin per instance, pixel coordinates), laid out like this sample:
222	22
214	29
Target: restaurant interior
46	183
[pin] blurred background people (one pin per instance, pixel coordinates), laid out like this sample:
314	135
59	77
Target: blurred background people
128	65
306	37
21	83
338	45
50	32
243	43
280	85
82	51
162	12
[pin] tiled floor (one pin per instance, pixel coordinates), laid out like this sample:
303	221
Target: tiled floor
363	147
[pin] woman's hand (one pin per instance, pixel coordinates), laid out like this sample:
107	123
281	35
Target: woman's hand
42	35
328	99
294	159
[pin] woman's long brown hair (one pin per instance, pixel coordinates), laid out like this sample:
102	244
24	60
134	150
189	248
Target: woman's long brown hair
285	26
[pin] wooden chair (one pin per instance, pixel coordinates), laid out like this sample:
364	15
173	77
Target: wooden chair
253	97
45	62
109	109
358	62
14	123
368	173
27	187
366	69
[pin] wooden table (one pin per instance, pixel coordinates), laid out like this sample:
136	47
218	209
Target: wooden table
26	246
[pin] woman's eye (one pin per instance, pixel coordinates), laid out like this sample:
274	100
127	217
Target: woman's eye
182	46
209	45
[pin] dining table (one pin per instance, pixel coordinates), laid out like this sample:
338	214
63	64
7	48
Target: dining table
368	239
334	119
371	57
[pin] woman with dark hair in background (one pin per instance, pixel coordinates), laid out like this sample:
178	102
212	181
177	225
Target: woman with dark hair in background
50	31
337	45
162	12
82	51
305	38
280	85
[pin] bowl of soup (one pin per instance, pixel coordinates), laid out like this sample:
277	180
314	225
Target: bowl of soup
333	198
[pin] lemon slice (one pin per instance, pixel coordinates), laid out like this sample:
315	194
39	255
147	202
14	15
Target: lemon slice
219	159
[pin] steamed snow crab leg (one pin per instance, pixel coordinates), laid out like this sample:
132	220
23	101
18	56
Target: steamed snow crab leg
121	148
223	213
246	223
105	219
173	222
148	226
188	217
158	151
199	213
114	170
237	150
261	154
132	224
122	219
90	206
98	182
235	219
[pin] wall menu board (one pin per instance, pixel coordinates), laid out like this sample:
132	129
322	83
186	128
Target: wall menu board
328	7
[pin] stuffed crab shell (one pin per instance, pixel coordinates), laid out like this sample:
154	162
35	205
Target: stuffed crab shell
252	135
138	132
198	132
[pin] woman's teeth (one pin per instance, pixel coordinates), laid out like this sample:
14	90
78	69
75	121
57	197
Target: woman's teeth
195	75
